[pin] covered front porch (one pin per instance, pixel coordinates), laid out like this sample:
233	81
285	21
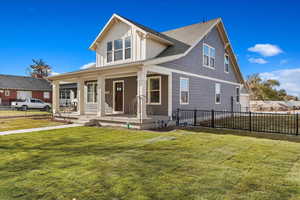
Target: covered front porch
135	94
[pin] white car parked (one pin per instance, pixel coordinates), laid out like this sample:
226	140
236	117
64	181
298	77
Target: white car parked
30	103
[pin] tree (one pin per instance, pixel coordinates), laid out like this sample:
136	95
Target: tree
267	89
39	69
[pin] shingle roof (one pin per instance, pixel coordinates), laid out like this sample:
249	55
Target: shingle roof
24	83
178	46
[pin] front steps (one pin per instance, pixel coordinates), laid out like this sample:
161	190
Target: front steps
119	121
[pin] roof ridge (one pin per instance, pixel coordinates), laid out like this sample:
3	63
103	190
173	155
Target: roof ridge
21	76
190	25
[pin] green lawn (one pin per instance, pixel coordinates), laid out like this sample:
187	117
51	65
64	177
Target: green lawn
10	113
112	164
24	123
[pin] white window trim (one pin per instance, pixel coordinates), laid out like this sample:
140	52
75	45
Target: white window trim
91	83
114	95
238	102
216	93
148	90
113	61
48	95
7	93
227	72
208	66
184	103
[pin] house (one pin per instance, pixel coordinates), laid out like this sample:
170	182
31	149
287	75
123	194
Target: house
141	76
19	87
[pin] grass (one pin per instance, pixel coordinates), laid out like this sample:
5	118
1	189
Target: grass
25	123
11	113
101	163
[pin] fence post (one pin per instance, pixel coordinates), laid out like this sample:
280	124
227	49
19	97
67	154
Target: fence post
212	118
250	121
195	117
297	124
177	117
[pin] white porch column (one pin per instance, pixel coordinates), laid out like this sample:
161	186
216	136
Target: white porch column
80	96
141	94
55	97
101	96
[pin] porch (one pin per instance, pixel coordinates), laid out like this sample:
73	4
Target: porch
141	96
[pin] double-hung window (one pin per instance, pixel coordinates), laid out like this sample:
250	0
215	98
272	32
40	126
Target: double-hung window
238	95
109	49
218	93
127	47
209	54
154	90
184	90
226	63
92	92
46	95
118	50
7	93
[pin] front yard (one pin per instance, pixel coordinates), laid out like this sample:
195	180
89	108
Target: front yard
101	163
16	113
25	123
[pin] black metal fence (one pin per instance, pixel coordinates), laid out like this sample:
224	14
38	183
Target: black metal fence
250	121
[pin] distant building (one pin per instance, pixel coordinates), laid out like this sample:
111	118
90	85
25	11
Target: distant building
19	87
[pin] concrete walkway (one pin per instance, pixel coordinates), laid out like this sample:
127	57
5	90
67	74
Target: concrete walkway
39	129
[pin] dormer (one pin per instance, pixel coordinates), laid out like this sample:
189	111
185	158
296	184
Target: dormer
123	41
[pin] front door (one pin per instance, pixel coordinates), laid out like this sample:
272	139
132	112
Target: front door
119	96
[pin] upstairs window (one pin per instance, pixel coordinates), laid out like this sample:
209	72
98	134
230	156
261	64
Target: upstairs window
128	47
154	90
184	90
238	95
218	93
118	50
109	52
208	56
226	63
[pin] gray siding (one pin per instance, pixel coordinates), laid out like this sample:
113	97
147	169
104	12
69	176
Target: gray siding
202	94
130	92
193	61
202	91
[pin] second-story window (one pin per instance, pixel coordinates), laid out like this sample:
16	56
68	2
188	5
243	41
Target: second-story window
109	52
118	49
208	56
128	47
226	63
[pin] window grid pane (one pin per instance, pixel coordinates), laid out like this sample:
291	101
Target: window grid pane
154	90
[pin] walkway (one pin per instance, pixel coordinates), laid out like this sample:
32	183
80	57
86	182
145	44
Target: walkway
39	129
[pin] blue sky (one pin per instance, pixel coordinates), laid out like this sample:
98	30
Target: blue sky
60	32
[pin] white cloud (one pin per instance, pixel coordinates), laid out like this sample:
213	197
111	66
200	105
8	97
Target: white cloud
257	60
266	49
283	61
88	65
288	78
54	73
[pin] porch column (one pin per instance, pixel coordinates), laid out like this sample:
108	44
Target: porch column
55	97
80	96
101	96
141	94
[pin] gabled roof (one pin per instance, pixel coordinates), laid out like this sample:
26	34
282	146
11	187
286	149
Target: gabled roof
24	83
152	33
180	41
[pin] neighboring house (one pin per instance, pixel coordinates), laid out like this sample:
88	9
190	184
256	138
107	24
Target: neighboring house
20	87
142	76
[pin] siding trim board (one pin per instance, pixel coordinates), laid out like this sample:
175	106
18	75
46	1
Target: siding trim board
191	74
